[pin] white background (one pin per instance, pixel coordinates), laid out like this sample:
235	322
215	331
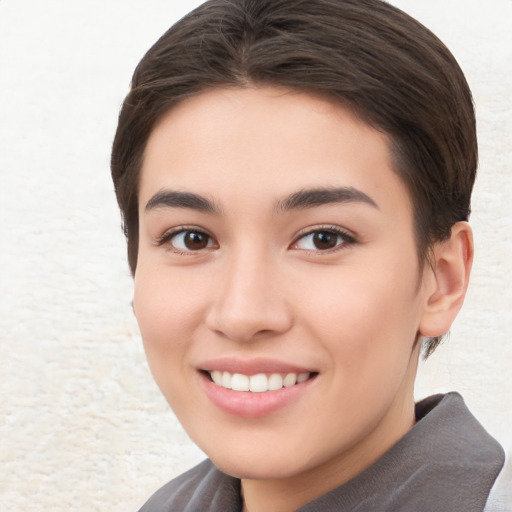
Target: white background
82	425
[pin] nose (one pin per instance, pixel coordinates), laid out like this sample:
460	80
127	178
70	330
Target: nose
250	302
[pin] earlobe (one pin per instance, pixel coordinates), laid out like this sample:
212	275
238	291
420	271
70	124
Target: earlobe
449	273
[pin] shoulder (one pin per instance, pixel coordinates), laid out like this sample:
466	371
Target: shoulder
469	459
203	487
500	497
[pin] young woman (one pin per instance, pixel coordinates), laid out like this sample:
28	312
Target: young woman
295	182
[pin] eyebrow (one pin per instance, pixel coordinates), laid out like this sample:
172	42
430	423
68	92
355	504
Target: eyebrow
175	199
306	198
310	198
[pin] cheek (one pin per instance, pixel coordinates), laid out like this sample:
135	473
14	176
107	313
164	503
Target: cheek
367	328
364	317
167	313
168	310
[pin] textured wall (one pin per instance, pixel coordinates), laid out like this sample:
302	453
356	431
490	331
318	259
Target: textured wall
82	425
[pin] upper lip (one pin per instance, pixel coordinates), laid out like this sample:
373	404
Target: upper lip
252	366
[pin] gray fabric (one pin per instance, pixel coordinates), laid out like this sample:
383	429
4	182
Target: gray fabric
201	489
446	463
500	497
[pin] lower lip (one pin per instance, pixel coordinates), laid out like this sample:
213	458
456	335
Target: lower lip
252	405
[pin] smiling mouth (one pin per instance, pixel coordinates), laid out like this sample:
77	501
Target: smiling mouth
258	383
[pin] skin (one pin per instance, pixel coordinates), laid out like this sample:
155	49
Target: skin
258	285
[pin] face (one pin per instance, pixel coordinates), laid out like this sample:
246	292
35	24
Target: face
278	289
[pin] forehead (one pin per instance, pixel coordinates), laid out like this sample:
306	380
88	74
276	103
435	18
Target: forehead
266	141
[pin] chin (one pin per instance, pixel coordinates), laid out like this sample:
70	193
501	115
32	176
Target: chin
263	469
265	458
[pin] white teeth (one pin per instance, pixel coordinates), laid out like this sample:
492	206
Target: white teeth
217	377
258	383
226	380
239	382
302	377
290	380
275	381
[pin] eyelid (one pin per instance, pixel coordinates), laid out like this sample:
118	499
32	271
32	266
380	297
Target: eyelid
167	236
347	236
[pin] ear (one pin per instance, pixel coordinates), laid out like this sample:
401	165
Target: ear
447	280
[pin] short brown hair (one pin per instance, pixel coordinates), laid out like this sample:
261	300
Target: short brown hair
368	55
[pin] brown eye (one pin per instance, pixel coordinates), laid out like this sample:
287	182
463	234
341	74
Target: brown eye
188	241
195	241
323	240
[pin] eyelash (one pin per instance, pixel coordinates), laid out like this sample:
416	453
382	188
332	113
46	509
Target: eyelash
346	239
167	237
